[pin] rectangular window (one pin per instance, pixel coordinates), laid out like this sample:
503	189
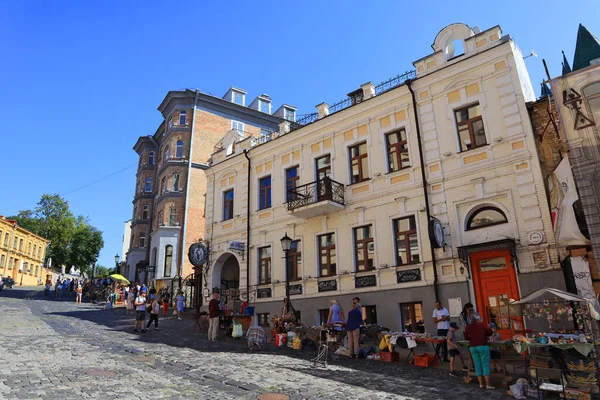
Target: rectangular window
238	98
175	183
148	186
238	126
40	252
168	260
327	264
470	127
264	265
323	314
173	216
411	317
364	249
263	319
265	193
21	245
265	136
264	106
295	261
16	241
142	240
397	150
407	244
289	114
359	163
37	270
145	208
29	248
369	315
160	220
24	270
6	236
34	249
2	257
228	204
291	182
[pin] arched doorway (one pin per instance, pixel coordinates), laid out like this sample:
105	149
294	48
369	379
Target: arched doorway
226	278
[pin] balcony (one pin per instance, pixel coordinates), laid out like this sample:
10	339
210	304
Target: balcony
324	196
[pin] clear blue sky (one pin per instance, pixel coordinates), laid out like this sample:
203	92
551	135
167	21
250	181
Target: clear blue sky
81	80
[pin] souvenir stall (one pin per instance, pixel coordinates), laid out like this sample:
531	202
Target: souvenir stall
565	358
428	341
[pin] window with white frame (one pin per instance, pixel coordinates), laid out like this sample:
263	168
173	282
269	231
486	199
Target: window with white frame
148	187
238	126
168	260
182	115
179	150
289	114
173	216
264	106
238	98
469	123
407	243
142	240
151	158
175	182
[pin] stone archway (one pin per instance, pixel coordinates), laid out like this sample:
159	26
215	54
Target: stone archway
226	277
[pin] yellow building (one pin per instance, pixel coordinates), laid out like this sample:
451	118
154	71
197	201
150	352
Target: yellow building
21	253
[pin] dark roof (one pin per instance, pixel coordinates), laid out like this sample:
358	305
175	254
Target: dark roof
566	68
586	49
545	90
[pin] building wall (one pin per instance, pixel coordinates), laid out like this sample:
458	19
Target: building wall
22	253
505	174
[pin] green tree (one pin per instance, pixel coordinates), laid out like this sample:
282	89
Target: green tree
86	244
101	270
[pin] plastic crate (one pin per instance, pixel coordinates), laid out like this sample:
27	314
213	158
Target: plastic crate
389	356
426	360
249	310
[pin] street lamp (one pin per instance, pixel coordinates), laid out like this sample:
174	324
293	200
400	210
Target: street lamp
286	244
117	258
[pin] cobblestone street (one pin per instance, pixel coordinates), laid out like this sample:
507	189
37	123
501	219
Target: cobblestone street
56	349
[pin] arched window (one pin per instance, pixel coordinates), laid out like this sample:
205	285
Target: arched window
485	216
182	115
151	158
148	187
179	152
166	153
454	49
168	260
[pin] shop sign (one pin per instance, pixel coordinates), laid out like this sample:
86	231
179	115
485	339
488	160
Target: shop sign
295	289
365	281
263	293
237	246
409	275
327	286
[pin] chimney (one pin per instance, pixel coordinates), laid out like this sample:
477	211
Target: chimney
322	109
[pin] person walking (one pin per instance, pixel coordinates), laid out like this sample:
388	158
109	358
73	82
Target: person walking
335	312
180	304
78	294
166	297
477	335
130	299
140	311
213	314
353	329
155	308
441	317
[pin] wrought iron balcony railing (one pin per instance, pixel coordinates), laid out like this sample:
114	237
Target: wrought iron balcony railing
325	189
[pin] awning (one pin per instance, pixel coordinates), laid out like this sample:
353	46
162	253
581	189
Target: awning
593	305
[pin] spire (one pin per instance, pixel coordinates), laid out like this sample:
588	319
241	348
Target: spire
545	92
566	68
586	49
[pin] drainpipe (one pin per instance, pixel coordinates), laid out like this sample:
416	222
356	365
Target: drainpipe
187	190
424	178
248	229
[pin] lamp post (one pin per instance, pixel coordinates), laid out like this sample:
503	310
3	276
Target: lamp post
286	244
117	258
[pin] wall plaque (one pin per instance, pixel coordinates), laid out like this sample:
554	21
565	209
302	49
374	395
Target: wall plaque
327	286
365	281
263	293
409	275
295	289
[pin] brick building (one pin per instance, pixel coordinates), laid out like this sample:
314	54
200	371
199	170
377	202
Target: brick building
168	201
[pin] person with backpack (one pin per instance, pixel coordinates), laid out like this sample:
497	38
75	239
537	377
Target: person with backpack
154	310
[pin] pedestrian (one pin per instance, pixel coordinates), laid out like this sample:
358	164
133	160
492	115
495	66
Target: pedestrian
495	354
79	294
140	312
130	300
165	300
180	304
441	317
356	302
214	312
155	309
72	287
454	351
468	315
47	289
57	286
336	314
477	335
353	329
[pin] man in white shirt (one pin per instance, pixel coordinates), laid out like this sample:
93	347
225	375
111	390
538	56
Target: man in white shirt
441	317
140	311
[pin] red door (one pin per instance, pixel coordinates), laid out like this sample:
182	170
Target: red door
495	284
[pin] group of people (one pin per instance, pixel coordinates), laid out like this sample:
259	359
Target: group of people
143	300
476	332
65	286
353	322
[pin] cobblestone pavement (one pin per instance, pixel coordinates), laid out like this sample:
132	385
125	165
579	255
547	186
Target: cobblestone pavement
60	350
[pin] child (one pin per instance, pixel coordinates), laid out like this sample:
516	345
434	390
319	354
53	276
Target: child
495	354
453	349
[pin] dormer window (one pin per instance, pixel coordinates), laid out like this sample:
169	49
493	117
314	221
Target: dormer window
264	106
237	98
238	126
289	114
182	115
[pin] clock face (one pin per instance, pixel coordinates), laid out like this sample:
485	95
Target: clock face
197	254
436	233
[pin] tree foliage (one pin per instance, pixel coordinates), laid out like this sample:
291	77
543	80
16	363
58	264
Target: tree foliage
73	241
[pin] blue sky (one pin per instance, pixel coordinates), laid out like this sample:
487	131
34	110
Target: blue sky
81	80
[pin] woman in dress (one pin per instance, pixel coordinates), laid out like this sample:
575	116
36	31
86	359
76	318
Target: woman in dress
336	315
180	304
130	298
